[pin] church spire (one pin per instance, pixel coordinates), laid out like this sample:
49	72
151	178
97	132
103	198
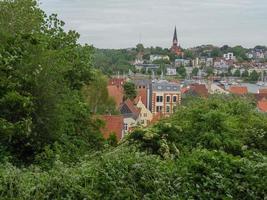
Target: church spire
175	40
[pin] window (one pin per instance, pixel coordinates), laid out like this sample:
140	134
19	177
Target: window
142	121
159	98
174	98
168	99
168	109
174	108
125	127
145	114
159	108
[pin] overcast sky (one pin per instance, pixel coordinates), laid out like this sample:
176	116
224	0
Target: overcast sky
123	23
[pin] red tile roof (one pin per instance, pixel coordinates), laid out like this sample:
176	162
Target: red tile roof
116	81
116	93
113	124
132	107
261	96
262	105
263	91
184	90
240	90
199	89
143	94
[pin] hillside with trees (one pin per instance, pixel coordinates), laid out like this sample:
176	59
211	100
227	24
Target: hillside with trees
51	145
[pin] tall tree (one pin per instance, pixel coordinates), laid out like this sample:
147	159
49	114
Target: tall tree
42	70
129	90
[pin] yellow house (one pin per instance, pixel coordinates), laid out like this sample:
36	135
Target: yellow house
145	116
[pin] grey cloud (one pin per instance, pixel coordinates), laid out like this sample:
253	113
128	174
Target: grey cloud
119	23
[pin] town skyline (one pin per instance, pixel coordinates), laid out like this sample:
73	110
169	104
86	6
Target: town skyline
123	24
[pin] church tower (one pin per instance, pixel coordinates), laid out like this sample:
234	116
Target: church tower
175	40
175	45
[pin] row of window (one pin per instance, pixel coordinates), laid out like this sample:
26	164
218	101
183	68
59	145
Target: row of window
168	99
168	109
144	115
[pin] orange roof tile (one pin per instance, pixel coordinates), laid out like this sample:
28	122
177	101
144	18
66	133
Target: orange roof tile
240	90
113	124
184	90
116	81
116	93
263	91
132	107
262	105
143	94
200	89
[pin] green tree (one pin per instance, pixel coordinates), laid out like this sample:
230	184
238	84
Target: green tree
181	71
245	74
209	71
254	76
237	73
96	95
140	48
129	90
42	70
195	71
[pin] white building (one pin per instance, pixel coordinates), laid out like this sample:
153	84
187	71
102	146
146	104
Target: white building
158	57
171	71
182	62
229	56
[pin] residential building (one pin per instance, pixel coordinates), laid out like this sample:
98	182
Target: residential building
165	97
221	63
181	62
147	67
171	71
229	56
209	62
216	89
113	125
158	57
145	116
130	115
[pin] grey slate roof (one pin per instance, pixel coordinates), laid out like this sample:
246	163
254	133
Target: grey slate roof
164	85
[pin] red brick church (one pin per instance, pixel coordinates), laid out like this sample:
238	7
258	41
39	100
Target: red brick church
176	48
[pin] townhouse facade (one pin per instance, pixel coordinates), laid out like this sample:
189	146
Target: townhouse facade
165	97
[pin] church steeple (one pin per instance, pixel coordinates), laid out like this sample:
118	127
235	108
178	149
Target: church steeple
175	40
176	48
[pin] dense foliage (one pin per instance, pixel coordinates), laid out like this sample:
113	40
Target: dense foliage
129	91
206	152
42	70
51	147
112	61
